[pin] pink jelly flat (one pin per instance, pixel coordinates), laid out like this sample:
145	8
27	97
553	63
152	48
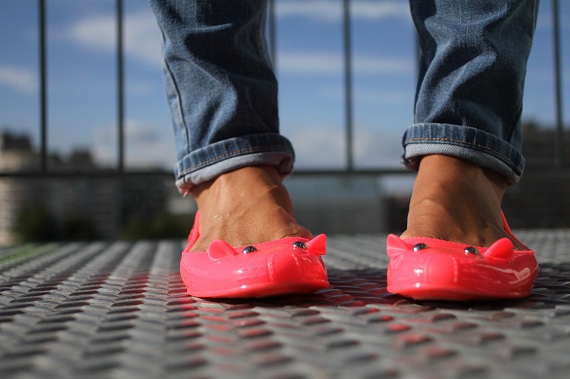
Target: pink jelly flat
286	266
433	269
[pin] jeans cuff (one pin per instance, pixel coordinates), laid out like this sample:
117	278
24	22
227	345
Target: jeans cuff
216	159
474	145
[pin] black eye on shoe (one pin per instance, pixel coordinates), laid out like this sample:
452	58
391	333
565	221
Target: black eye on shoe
419	246
300	245
471	250
249	249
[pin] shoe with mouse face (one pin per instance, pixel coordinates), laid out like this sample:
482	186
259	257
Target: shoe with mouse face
291	265
433	269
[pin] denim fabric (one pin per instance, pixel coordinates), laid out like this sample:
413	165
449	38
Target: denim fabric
220	87
222	91
470	87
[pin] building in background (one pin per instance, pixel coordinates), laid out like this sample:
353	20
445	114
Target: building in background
149	206
70	206
16	154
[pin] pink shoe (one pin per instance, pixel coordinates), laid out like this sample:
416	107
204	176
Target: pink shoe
429	268
286	266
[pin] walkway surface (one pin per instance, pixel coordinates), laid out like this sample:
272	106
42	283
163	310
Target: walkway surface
119	310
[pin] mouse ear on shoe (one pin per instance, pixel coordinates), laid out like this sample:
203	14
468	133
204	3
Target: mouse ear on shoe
318	245
396	246
503	249
220	249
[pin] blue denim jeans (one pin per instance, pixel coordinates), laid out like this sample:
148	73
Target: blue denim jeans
470	88
222	91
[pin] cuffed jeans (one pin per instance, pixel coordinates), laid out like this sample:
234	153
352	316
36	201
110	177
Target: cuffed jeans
222	91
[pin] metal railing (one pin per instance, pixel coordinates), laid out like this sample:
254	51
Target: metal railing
559	160
348	99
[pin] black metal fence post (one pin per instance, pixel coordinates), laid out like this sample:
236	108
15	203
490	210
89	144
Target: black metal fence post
43	85
559	143
347	44
120	88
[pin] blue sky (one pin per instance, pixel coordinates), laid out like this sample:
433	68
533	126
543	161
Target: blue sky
81	78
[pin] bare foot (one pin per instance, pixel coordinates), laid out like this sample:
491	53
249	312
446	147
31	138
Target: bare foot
245	207
456	200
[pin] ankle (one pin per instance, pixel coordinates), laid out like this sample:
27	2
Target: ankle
445	165
230	187
456	200
449	171
240	177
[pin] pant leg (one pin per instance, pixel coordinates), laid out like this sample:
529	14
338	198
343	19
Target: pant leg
471	79
220	87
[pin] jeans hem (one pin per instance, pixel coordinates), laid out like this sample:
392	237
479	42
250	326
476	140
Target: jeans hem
474	145
216	159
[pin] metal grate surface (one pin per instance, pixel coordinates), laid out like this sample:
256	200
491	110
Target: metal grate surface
119	310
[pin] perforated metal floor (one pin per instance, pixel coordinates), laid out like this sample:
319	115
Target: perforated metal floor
119	310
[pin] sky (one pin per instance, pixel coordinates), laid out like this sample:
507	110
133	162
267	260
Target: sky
309	64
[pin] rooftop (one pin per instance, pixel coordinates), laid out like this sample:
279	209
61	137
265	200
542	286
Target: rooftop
120	310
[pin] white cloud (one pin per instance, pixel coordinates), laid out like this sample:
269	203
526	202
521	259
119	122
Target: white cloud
321	146
316	9
378	146
333	63
326	10
309	63
380	9
318	146
136	87
143	39
19	79
382	65
145	146
141	34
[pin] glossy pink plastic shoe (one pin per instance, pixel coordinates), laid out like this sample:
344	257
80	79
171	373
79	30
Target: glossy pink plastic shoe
287	266
433	269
